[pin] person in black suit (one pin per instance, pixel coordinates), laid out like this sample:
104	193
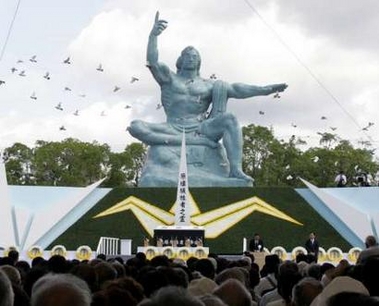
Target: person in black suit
312	246
256	244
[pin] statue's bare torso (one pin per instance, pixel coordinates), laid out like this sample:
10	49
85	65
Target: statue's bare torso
186	98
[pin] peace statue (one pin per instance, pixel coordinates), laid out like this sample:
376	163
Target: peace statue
196	106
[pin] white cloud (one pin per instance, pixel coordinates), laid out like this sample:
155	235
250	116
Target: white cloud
351	24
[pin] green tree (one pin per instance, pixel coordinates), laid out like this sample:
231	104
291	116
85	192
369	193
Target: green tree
321	165
137	154
70	162
275	162
264	157
289	161
318	166
351	160
19	163
328	139
126	167
278	163
271	162
256	148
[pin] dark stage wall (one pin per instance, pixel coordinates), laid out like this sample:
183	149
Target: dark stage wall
274	231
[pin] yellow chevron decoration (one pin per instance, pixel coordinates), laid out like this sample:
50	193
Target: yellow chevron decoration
215	222
148	215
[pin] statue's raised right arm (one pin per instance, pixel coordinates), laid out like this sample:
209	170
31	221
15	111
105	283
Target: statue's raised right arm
159	70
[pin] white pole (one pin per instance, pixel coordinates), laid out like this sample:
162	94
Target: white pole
244	244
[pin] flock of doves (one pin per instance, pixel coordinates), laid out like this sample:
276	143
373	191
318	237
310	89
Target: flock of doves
67	61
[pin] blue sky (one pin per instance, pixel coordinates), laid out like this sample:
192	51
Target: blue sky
328	55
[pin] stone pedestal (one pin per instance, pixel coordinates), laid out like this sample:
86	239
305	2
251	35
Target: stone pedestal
207	167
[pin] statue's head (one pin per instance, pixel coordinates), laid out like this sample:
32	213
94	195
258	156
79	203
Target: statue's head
188	53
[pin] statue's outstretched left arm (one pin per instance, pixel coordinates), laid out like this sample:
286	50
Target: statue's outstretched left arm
242	91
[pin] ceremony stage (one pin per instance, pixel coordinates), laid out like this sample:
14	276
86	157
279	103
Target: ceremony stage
50	216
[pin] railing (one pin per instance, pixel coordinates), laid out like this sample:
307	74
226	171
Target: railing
108	246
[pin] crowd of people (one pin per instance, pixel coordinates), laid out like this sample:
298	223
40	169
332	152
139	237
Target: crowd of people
214	280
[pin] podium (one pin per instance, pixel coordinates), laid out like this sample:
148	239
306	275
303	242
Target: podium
259	258
126	246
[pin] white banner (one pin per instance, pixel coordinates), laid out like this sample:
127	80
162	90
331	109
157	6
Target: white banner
182	211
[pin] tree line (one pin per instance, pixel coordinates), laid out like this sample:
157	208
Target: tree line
72	162
270	161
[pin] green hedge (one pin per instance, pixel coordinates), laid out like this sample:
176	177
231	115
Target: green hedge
274	231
